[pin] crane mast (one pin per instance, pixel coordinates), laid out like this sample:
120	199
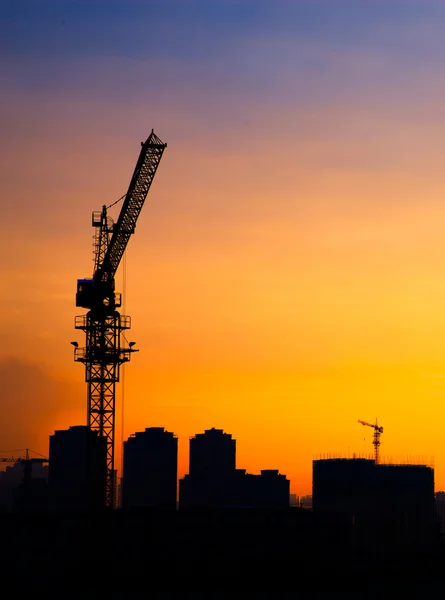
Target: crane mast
376	438
105	349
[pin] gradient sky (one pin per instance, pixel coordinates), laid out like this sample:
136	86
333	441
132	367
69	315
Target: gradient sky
287	275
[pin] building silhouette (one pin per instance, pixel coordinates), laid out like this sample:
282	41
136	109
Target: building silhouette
10	479
391	505
77	469
17	495
305	502
31	495
214	481
212	453
150	470
439	503
212	471
270	490
343	486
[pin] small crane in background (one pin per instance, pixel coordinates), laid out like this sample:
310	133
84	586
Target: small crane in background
376	441
27	462
26	496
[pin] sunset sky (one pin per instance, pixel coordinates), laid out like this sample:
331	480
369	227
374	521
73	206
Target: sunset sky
287	274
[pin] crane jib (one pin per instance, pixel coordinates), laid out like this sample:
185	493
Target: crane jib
143	175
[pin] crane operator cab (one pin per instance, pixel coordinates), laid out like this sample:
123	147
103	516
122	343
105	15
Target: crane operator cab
84	294
89	295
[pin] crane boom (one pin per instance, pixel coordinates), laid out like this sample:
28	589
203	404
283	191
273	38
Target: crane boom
144	172
23	459
373	425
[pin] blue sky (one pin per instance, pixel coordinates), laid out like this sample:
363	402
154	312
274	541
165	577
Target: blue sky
223	52
200	31
218	77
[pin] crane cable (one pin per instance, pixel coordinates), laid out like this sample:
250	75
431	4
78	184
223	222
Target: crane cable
124	296
22	450
118	200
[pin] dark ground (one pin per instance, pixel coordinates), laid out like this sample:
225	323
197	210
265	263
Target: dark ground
213	555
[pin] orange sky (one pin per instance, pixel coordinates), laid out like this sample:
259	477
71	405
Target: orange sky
287	275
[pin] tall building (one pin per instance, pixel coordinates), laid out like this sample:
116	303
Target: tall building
212	453
212	468
392	504
215	482
150	469
77	470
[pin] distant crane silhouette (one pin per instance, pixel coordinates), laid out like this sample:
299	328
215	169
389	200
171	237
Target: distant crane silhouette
27	463
376	441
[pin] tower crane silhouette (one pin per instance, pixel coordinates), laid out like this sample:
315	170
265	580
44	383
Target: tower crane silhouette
106	347
376	438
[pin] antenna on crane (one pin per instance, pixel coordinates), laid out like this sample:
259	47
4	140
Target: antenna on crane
376	438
